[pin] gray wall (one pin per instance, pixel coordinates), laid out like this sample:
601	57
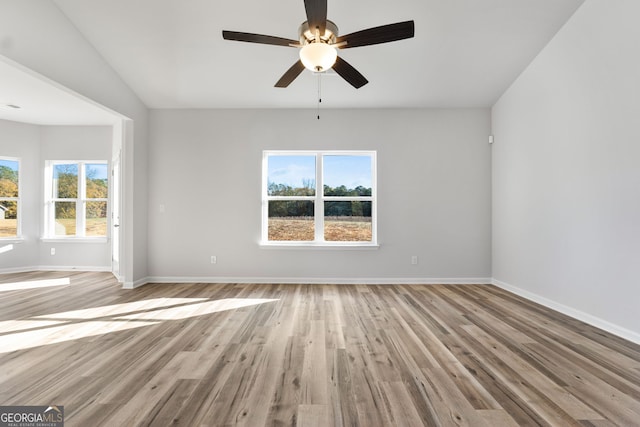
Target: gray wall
34	145
37	35
566	175
23	141
205	167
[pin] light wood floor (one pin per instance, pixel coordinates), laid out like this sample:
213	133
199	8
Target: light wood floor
313	355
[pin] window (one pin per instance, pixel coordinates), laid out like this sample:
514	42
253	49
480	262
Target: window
9	198
319	198
77	194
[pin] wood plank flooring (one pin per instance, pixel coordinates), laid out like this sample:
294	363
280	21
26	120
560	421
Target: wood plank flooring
307	355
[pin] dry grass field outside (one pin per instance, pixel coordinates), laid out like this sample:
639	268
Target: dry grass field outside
337	229
8	227
289	229
95	226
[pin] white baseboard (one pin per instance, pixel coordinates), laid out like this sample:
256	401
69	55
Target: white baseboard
572	312
72	268
16	270
53	268
324	280
136	284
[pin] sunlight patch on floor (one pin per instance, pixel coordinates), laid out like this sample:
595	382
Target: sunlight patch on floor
115	309
76	324
198	309
62	333
34	284
9	326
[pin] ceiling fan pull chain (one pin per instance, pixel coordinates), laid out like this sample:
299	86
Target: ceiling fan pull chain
319	93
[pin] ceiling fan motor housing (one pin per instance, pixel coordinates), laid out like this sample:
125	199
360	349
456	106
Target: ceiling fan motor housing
308	35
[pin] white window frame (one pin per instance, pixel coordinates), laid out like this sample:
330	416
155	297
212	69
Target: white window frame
18	236
81	201
319	200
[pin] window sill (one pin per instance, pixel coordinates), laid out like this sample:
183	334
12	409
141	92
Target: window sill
321	246
11	240
74	239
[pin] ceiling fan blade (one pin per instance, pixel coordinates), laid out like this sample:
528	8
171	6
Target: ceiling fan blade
290	75
350	74
257	38
377	35
316	14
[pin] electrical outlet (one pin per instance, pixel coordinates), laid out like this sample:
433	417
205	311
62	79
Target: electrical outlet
214	259
414	260
53	251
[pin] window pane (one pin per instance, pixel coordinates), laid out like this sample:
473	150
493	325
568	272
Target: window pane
96	175
291	220
8	219
291	175
347	221
65	219
96	223
65	181
345	175
8	178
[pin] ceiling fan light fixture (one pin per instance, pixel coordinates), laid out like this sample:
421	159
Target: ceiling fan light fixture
318	57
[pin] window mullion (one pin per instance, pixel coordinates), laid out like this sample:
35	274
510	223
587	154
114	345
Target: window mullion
319	204
50	216
312	198
80	217
81	201
348	198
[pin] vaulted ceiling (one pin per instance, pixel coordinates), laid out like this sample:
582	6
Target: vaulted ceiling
28	97
465	53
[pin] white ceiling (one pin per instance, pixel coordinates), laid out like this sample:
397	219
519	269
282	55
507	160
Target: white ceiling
465	53
30	98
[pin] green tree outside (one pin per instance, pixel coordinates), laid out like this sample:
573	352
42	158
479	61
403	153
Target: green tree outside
297	208
9	188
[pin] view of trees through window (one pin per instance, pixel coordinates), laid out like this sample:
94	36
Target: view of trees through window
9	202
80	192
345	202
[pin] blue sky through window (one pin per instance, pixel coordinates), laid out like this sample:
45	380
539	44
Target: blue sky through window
11	164
71	169
350	171
347	170
97	171
92	170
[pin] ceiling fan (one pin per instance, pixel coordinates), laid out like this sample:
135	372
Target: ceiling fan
318	41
